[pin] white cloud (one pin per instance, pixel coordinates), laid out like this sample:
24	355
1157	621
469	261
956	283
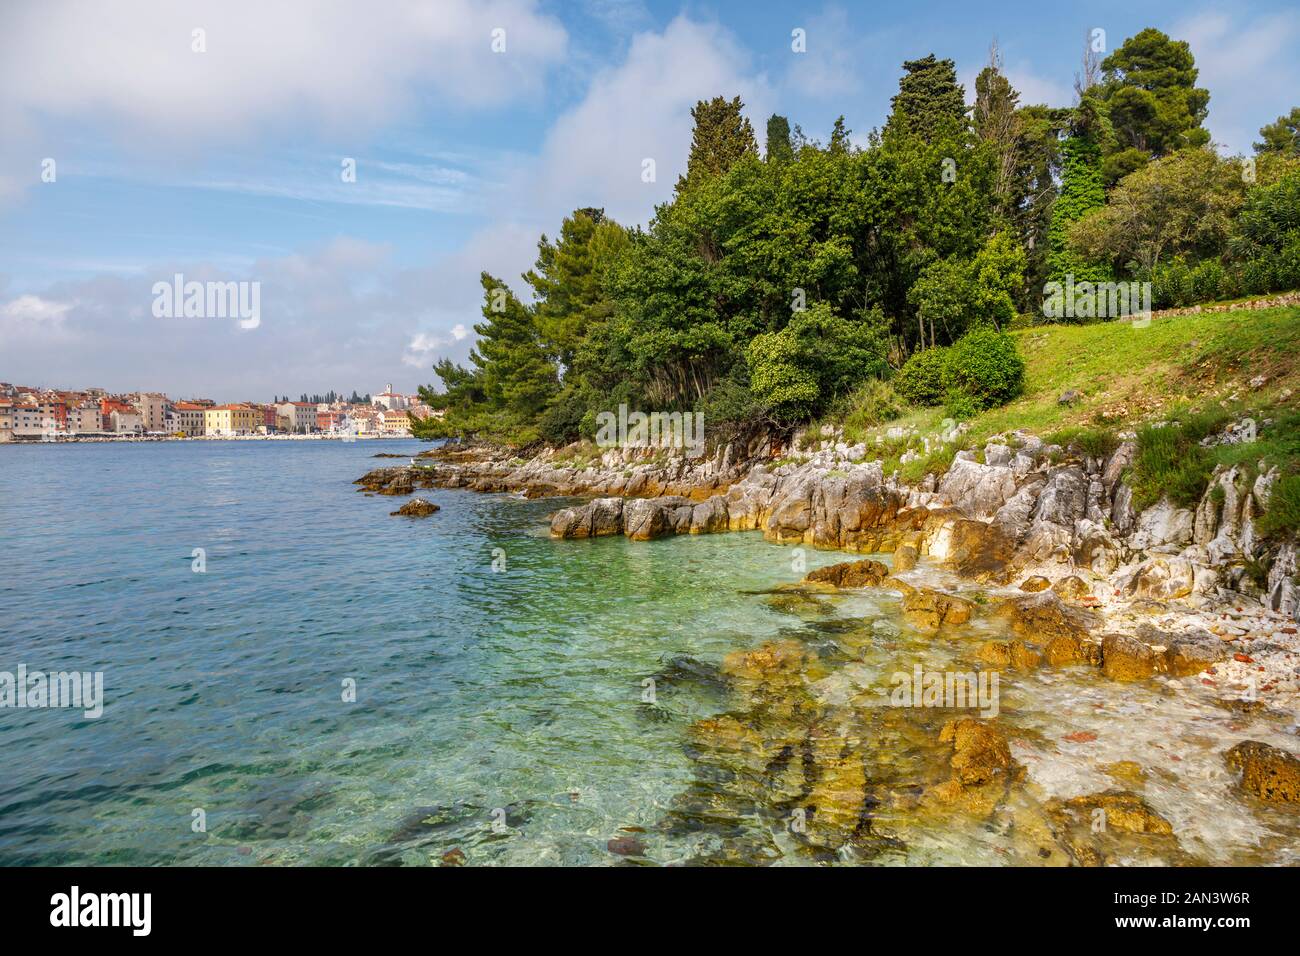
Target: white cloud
592	156
334	64
638	110
341	315
831	64
33	320
1249	67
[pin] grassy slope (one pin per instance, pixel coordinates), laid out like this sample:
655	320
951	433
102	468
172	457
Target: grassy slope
1126	376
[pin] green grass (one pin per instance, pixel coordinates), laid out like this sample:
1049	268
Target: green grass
1096	441
1192	370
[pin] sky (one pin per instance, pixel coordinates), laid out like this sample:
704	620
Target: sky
133	148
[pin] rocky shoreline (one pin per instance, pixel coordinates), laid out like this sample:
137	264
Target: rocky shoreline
1041	543
1028	512
1020	512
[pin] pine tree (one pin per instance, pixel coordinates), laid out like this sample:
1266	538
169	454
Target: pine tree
929	101
517	377
722	136
568	280
1282	137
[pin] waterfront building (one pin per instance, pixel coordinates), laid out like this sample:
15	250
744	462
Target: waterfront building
188	419
226	420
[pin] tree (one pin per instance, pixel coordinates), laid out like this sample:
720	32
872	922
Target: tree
722	136
779	147
798	371
999	122
1153	103
1282	136
568	280
1082	191
929	100
1180	205
839	144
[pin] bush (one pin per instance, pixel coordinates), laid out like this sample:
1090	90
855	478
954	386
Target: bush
561	422
872	403
1171	285
985	365
957	404
1282	517
1208	281
798	371
1167	463
923	379
1093	442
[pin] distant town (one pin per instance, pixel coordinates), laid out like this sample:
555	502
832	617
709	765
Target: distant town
93	414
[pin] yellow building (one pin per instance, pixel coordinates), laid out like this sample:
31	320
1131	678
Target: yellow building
231	420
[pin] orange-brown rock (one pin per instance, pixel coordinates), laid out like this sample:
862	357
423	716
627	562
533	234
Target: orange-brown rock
1065	649
1043	616
1072	588
980	550
1120	810
980	752
929	610
1014	653
1126	658
850	574
1268	772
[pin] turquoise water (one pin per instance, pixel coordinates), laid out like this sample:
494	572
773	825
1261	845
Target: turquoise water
477	691
498	713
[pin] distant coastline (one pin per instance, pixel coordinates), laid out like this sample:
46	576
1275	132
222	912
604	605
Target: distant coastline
118	439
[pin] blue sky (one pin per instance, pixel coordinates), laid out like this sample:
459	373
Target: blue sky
225	164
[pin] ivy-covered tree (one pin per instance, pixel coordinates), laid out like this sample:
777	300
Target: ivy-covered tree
1082	191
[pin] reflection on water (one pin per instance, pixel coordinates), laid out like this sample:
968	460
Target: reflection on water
556	712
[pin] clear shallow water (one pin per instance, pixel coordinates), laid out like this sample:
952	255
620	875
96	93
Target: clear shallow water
477	691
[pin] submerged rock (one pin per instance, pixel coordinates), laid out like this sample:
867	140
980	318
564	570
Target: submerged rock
1014	653
1120	810
416	508
1035	583
980	752
929	610
850	574
1126	658
1268	772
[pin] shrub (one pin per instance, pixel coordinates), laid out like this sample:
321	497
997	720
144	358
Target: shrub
873	403
923	379
986	366
1207	281
819	355
1171	461
959	405
1282	516
1167	463
1093	442
561	422
1171	285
